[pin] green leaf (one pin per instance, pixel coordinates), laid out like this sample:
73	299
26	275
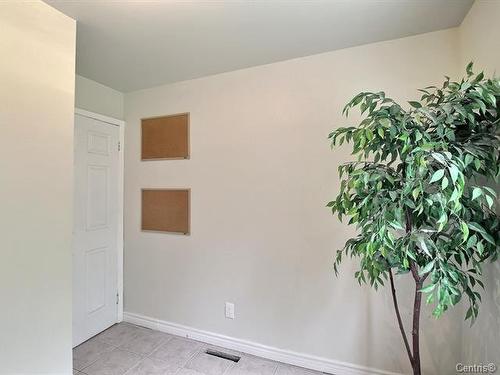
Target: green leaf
489	200
465	230
424	247
476	227
406	264
488	238
476	193
468	159
427	268
428	288
444	183
385	122
437	176
415	104
439	158
454	173
469	313
430	297
471	242
490	190
454	195
415	193
468	69
396	225
480	248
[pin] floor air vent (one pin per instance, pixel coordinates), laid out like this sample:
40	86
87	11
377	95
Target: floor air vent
223	355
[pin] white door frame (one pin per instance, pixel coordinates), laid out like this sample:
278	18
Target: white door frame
119	240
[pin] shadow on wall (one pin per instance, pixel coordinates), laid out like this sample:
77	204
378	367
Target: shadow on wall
481	341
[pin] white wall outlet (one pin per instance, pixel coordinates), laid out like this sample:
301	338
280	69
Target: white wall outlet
229	310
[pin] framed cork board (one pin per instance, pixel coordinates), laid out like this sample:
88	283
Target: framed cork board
165	137
165	210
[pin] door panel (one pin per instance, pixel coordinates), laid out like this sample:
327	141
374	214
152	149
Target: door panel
96	268
97	197
95	227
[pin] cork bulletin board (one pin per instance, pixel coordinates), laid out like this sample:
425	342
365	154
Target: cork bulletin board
165	137
166	210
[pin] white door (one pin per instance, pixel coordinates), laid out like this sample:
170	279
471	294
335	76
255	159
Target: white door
95	227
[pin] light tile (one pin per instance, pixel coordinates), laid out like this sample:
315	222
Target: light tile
187	371
177	351
87	353
119	334
167	354
209	364
250	365
294	370
116	362
153	366
145	341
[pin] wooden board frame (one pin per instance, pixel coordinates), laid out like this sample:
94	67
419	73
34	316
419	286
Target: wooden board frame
184	233
188	135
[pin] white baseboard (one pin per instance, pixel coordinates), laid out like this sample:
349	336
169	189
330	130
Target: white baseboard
293	358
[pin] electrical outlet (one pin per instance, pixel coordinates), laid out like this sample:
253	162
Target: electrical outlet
229	310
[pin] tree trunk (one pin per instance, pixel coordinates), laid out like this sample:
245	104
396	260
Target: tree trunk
419	282
416	327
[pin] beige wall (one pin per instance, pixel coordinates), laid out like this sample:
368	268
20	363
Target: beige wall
261	172
36	157
479	42
479	37
95	97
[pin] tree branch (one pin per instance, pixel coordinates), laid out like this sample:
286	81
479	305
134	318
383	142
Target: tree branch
398	315
414	271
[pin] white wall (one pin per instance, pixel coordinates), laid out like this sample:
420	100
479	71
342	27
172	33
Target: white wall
479	42
261	172
95	97
37	74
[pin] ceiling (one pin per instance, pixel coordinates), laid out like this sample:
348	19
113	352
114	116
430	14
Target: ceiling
131	45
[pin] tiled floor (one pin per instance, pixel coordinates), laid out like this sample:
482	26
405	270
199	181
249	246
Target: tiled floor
132	350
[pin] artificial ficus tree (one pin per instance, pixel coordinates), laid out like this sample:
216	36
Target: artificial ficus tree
419	196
